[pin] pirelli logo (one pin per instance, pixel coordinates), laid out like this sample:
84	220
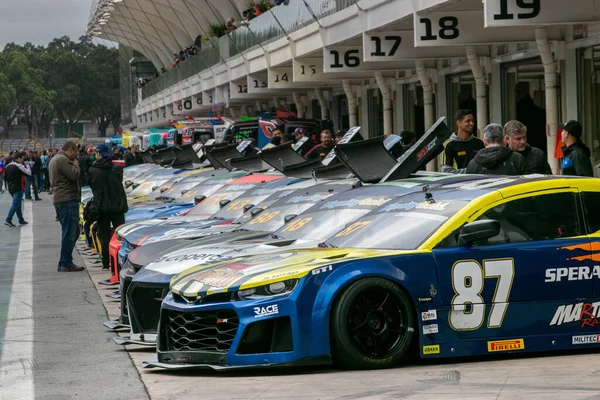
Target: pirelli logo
506	345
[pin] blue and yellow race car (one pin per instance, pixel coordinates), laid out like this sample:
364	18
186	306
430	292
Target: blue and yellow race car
494	265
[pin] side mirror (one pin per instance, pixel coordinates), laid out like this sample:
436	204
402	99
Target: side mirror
154	188
184	191
135	185
247	207
223	203
478	230
128	183
199	199
288	218
164	189
256	211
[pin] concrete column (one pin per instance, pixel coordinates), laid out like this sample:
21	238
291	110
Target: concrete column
551	80
481	89
427	104
386	93
323	103
352	103
300	106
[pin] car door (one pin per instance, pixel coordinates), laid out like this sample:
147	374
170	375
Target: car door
531	279
590	201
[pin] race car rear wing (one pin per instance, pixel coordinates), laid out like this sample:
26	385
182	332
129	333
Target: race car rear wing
217	155
426	149
163	157
251	163
185	157
147	157
369	160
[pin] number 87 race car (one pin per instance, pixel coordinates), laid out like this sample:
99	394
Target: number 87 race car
457	270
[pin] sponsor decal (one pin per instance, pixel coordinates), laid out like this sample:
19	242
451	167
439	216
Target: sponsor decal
429	329
280	275
376	202
318	271
430	315
584	313
260	312
582	273
426	150
236	188
425	299
586	339
219	278
432	349
506	345
307	199
205	258
429	217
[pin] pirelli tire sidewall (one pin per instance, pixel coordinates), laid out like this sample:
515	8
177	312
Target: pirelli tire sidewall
344	350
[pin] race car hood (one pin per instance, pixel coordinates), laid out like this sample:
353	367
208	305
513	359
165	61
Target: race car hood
133	226
248	272
154	211
184	258
176	229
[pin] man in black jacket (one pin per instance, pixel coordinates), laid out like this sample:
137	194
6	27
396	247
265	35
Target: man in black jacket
133	157
106	182
496	159
15	174
576	159
516	140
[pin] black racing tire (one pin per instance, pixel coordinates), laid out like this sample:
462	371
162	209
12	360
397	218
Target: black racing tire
372	325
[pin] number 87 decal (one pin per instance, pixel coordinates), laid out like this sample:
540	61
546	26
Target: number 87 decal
468	306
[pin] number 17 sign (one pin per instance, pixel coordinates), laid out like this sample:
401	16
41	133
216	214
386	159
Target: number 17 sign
537	12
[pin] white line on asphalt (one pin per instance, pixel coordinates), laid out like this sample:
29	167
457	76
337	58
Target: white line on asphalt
16	364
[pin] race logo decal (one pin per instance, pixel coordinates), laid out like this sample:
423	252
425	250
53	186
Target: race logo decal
506	345
583	251
586	313
429	315
432	349
586	339
266	311
429	329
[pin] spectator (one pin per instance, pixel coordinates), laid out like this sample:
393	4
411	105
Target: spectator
257	11
577	154
338	136
2	175
300	133
133	157
64	181
246	17
15	173
462	146
84	166
321	150
45	177
495	158
230	25
516	140
106	181
91	154
32	180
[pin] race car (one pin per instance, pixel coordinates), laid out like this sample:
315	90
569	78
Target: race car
151	285
456	270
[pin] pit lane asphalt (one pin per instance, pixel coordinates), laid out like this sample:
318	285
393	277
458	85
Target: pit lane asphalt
72	356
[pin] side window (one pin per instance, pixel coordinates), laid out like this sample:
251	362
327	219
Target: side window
542	217
591	201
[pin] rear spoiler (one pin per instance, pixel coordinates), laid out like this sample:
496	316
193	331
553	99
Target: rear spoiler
286	160
147	157
369	160
163	157
214	154
185	157
251	163
426	149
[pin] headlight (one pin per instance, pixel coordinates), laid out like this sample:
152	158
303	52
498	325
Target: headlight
273	289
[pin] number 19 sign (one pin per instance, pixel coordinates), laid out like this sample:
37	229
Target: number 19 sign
538	12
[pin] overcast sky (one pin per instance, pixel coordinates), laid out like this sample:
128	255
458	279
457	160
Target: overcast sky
40	21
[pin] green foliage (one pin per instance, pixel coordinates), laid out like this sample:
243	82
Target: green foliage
262	5
217	30
65	81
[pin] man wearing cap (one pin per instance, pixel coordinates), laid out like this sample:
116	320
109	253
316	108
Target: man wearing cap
106	182
66	196
307	146
576	159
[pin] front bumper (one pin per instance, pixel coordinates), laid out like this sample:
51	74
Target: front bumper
143	309
113	251
236	334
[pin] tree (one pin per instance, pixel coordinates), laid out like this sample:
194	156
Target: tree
8	103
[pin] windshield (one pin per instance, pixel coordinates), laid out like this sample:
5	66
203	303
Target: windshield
146	188
272	219
211	204
402	225
324	220
175	191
